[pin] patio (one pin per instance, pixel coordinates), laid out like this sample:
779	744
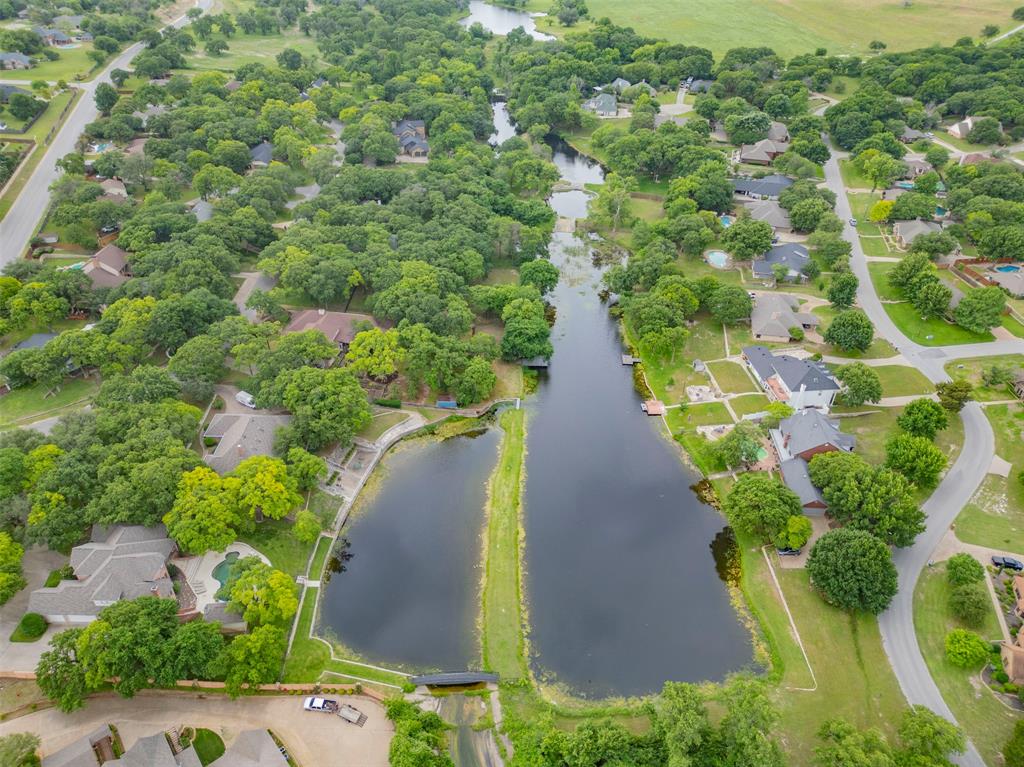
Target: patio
199	571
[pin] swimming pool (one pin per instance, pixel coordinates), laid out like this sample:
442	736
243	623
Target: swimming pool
726	221
717	258
1008	268
221	570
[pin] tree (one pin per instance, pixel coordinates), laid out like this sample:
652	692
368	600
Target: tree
613	205
264	595
145	384
953	395
807	214
748	238
907	272
923	418
205	515
932	299
730	304
962	569
306	527
761	506
970	603
845	746
851	330
880	169
36	302
265	489
1013	751
860	384
981	309
929	738
19	749
11	579
965	648
59	674
985	131
327	405
198	364
106	97
853	570
289	58
540	273
842	290
795	534
937	156
307	469
476	382
376	353
193	649
216	47
24	107
252	659
745	730
881	211
916	458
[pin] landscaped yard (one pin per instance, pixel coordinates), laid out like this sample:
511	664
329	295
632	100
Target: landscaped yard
933	331
852	177
72	62
995	515
27	404
879	349
986	721
879	271
208	745
971	370
704	414
732	378
874	430
275	540
902	381
381	423
749	403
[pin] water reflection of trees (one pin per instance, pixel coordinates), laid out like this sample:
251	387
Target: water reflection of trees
340	554
726	553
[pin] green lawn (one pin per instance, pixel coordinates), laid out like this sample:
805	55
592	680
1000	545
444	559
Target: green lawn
316	565
995	515
208	745
248	49
971	370
962	144
986	721
852	177
901	381
732	378
27	404
704	414
38	131
874	245
1013	325
879	272
860	204
381	422
669	379
502	637
879	349
73	64
792	27
933	331
749	403
275	540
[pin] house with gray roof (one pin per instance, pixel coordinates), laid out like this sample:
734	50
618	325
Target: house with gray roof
793	256
776	314
52	36
155	751
796	476
6	91
14	60
771	212
769	187
807	433
700	86
778	132
1011	282
261	155
84	752
906	232
603	105
762	152
909	135
240	436
202	210
412	137
252	748
120	562
661	119
800	383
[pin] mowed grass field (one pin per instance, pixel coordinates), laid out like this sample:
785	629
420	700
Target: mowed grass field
799	26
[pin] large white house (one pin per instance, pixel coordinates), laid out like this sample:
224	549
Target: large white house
799	383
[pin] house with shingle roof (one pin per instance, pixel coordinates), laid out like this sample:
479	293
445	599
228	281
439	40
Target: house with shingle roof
800	383
115	187
906	232
796	476
14	60
771	212
909	135
769	187
763	152
791	255
339	327
261	155
120	562
603	105
83	752
6	91
252	748
412	137
52	36
240	436
108	268
797	440
775	314
778	132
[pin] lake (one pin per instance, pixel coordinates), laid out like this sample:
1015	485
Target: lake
500	20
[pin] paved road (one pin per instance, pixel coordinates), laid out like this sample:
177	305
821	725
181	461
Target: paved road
955	490
20	223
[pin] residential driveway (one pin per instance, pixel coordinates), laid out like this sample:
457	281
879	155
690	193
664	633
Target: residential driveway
23	656
252	281
314	740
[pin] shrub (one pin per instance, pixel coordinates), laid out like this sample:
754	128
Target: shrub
388	402
29	628
1001	676
963	568
965	649
970	603
209	441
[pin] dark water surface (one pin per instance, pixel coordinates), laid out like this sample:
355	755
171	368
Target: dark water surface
409	594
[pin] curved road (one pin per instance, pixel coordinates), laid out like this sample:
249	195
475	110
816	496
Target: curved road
20	223
955	490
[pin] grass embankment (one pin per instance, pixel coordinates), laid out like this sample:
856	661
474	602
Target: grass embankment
995	515
986	721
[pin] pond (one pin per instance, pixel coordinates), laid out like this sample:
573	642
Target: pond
500	20
409	591
621	581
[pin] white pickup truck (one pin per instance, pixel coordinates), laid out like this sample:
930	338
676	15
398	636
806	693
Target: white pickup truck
323	705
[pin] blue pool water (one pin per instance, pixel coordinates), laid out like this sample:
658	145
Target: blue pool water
1008	268
718	258
726	221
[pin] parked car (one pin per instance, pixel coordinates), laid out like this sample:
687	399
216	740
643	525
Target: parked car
853	222
790	552
321	705
109	229
244	398
1008	562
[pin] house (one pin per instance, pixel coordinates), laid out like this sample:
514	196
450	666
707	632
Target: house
792	256
120	562
339	327
261	155
6	91
619	84
1011	282
660	119
915	168
797	477
603	105
799	383
769	187
240	436
909	135
412	137
156	751
252	748
964	127
778	132
700	86
230	621
232	85
977	158
84	752
137	146
115	187
52	36
108	268
771	212
14	60
906	232
775	314
763	152
807	433
202	210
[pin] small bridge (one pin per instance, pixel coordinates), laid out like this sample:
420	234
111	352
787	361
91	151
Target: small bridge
455	679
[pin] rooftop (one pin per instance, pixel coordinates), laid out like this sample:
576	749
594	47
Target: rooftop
769	186
775	313
795	373
788	254
241	435
769	211
339	327
795	475
808	429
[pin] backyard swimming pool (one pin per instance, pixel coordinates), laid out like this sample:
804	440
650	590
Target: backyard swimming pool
726	221
220	572
1008	268
717	258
